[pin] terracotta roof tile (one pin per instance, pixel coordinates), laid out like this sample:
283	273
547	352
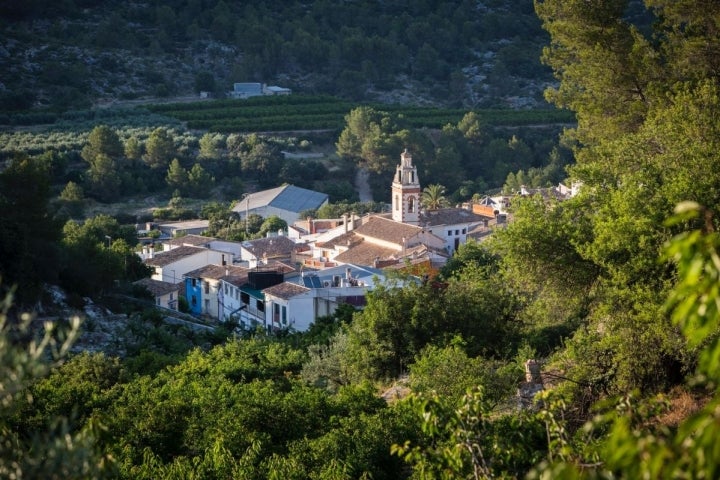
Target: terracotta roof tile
343	240
285	290
270	246
157	287
386	229
365	253
450	216
217	271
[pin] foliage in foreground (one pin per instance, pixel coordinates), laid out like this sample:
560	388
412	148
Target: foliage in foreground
626	438
53	450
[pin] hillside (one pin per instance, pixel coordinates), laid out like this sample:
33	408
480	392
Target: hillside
84	53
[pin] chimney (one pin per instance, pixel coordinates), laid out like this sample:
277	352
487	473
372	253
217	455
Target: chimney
311	225
152	250
352	221
345	221
348	273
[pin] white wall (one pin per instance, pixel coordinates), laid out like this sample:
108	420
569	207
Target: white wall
173	272
300	311
169	300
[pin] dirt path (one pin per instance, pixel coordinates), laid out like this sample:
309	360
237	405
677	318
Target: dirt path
363	186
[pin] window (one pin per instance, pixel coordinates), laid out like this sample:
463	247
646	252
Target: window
449	233
457	232
260	305
463	231
411	204
194	300
284	315
171	296
397	202
245	297
194	282
207	287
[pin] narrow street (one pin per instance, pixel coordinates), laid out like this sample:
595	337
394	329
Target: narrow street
362	185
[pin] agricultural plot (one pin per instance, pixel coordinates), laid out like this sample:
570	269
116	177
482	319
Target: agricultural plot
300	112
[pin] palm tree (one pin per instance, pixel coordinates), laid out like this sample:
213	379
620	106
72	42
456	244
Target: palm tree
433	197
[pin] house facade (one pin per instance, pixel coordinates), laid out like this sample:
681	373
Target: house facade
241	297
452	225
296	305
230	248
165	294
203	288
289	306
261	251
172	265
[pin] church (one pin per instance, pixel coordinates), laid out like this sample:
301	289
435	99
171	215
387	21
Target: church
450	224
409	234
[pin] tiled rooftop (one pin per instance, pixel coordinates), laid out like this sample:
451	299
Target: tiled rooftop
217	272
194	240
157	287
365	253
161	259
386	229
450	216
270	246
285	290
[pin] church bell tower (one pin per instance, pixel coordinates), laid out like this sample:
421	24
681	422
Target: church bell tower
406	192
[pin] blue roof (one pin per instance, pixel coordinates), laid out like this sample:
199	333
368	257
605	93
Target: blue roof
296	199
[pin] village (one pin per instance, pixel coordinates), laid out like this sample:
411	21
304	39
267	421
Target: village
289	279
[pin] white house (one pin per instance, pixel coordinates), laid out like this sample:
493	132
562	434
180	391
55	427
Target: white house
289	305
171	265
241	297
165	293
452	225
297	304
232	249
261	251
286	202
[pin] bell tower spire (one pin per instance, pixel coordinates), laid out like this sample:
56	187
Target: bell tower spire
406	192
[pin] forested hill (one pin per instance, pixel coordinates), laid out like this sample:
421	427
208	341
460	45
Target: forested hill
78	53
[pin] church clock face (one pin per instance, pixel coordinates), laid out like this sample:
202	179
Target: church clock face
406	191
